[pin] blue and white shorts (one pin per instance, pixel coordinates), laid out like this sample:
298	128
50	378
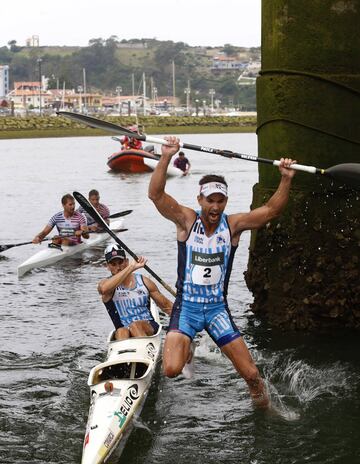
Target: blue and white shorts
189	318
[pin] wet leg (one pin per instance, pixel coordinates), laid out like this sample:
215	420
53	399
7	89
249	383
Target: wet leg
122	333
176	353
141	329
240	356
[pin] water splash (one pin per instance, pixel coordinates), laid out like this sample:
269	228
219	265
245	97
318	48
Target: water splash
308	383
294	385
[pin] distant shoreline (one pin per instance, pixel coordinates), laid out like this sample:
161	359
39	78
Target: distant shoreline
46	127
49	133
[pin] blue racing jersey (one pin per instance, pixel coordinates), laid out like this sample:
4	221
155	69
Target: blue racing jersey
130	304
205	263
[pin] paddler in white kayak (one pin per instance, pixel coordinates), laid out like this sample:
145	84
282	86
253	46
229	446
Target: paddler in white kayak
207	241
126	295
70	224
103	210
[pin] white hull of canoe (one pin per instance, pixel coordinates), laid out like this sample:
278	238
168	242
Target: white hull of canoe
118	389
49	256
171	171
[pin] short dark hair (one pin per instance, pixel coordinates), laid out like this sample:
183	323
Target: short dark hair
212	178
181	153
65	198
93	192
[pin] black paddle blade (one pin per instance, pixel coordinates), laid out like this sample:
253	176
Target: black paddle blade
121	214
348	173
100	124
6	247
90	209
11	245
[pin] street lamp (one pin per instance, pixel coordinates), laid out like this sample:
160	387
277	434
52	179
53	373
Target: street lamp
187	93
39	61
204	107
118	91
212	93
154	97
197	107
80	90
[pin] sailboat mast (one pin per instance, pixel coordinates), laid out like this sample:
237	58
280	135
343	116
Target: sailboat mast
84	84
174	92
63	97
144	93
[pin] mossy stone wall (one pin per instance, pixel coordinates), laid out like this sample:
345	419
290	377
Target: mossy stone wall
304	269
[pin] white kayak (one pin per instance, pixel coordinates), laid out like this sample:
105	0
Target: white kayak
118	389
172	171
49	256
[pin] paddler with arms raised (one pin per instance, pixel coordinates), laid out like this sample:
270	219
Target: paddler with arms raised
126	295
207	241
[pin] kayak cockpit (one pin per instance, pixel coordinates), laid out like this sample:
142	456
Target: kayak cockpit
118	371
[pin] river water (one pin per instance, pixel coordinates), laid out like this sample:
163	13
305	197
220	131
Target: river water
54	328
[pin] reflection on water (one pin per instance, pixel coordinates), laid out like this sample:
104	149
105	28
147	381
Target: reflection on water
54	330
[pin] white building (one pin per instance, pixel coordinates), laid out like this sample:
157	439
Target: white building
30	95
226	63
33	41
250	73
4	80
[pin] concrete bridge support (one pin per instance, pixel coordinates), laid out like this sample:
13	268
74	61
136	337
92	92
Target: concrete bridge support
304	269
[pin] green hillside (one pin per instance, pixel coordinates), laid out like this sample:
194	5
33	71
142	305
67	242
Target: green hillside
110	63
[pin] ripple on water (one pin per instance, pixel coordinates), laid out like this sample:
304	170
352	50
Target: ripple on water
54	330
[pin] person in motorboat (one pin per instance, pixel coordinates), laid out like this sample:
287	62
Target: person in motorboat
126	295
182	163
150	149
207	241
71	225
131	142
103	210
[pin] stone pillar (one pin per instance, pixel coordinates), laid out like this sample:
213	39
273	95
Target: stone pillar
304	269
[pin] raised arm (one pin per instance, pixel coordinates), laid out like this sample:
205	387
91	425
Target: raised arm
160	299
106	287
273	208
182	216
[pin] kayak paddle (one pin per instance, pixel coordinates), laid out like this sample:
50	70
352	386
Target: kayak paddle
11	245
97	218
348	173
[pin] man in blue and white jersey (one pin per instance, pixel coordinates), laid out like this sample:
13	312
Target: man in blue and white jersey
70	224
126	295
103	210
207	241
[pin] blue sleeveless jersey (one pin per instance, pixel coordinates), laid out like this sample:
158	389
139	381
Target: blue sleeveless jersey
130	304
205	263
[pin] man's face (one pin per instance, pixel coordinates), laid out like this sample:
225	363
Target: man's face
69	207
212	206
116	265
94	200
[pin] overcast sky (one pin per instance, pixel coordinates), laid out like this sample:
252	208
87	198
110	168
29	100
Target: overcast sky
75	22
